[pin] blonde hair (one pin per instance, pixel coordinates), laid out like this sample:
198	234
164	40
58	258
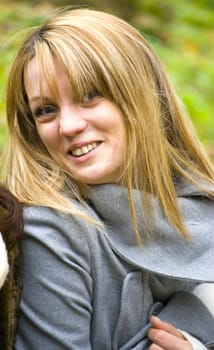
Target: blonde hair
102	52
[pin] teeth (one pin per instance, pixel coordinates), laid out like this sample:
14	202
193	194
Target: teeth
83	150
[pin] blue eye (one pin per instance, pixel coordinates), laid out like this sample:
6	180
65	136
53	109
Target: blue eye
45	111
91	96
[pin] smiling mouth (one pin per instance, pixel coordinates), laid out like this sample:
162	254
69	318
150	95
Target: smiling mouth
78	152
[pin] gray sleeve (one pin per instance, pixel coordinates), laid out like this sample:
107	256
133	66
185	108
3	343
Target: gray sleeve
56	299
184	306
188	313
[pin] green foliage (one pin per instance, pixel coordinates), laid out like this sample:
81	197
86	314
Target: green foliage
181	32
183	35
14	18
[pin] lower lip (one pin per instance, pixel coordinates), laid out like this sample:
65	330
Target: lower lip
86	156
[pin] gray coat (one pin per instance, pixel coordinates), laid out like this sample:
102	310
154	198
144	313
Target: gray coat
86	288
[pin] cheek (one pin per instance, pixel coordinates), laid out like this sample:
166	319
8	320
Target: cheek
122	138
122	152
48	135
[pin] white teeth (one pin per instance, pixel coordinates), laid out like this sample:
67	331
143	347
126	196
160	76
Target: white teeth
83	150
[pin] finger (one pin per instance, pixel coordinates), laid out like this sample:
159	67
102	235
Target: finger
168	341
155	347
159	324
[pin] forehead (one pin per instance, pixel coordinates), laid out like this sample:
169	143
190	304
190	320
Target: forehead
84	68
39	80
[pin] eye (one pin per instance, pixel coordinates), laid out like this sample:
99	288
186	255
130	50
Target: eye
44	111
91	97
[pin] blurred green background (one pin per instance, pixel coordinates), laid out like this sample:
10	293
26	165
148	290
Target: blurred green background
181	32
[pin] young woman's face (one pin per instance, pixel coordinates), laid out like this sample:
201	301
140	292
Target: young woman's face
88	138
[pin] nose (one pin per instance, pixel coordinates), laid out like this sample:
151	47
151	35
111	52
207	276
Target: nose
72	121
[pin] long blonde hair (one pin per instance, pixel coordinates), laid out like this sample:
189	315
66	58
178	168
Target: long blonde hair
102	52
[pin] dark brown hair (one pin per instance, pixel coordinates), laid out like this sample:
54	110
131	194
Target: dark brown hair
11	219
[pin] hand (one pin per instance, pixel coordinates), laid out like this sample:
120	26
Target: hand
166	337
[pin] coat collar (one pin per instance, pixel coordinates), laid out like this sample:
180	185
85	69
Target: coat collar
167	253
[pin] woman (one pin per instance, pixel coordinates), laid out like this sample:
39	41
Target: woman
117	189
11	225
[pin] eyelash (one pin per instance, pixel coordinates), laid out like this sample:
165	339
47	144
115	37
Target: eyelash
40	111
91	95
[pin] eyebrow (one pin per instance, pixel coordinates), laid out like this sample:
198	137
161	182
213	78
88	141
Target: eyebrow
39	98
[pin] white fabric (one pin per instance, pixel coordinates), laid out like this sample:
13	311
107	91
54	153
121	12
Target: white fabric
4	267
197	345
205	292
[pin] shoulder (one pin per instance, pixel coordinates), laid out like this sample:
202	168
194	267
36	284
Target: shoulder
61	233
39	217
187	189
